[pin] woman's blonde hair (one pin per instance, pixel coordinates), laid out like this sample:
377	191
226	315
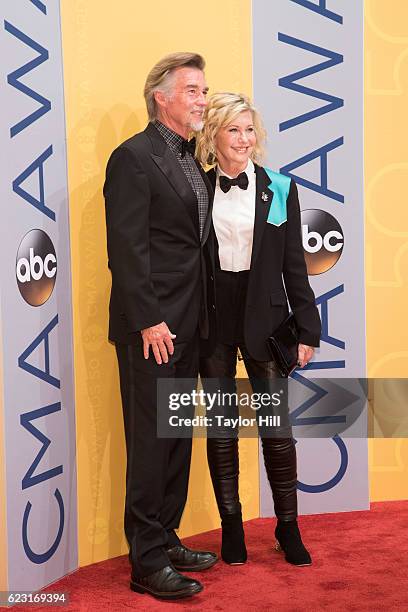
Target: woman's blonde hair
159	78
222	109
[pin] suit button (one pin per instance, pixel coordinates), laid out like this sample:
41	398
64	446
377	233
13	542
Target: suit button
211	277
213	306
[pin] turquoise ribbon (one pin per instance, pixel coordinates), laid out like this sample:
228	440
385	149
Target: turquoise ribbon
279	185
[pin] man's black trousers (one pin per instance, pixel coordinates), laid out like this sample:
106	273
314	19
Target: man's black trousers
157	468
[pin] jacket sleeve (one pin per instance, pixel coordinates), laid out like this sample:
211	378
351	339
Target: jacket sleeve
299	292
127	205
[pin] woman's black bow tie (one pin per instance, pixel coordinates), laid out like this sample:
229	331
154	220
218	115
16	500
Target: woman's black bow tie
188	145
226	183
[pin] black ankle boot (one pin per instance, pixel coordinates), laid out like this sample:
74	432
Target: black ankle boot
223	462
290	542
233	549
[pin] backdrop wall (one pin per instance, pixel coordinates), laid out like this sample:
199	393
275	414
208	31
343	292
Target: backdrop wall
3	522
38	411
386	176
312	106
107	55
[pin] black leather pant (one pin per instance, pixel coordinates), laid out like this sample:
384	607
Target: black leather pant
223	459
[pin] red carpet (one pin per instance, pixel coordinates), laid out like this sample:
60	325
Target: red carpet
360	562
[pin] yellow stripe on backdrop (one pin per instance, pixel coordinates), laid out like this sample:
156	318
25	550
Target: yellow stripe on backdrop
3	514
386	177
108	49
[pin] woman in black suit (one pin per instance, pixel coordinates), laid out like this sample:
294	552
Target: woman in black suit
259	267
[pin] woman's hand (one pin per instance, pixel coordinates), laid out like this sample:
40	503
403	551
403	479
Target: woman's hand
305	353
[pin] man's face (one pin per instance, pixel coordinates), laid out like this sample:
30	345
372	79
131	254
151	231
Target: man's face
183	108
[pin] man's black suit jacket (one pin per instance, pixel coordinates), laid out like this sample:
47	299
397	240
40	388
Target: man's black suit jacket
277	274
155	253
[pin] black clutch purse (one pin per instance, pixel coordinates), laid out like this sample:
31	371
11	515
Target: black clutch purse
283	346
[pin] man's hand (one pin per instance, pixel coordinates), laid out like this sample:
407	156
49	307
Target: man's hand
305	353
160	338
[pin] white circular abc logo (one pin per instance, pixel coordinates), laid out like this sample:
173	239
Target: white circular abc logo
36	267
322	239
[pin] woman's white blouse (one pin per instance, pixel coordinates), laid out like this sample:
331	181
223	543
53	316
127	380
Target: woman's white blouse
233	217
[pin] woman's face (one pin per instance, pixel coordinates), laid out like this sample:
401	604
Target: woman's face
235	142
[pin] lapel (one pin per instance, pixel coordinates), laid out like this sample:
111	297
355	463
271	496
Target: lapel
261	210
168	164
212	177
210	190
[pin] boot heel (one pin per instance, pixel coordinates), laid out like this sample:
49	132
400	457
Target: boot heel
290	542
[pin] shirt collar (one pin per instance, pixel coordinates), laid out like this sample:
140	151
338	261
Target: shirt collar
173	139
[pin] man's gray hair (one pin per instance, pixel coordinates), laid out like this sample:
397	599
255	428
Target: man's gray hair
157	77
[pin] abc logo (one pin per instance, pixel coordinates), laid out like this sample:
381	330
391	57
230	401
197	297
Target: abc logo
36	267
322	239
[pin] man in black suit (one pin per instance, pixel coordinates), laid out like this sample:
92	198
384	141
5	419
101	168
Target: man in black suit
158	218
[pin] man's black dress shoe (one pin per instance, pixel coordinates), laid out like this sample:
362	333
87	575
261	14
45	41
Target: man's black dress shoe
187	560
166	583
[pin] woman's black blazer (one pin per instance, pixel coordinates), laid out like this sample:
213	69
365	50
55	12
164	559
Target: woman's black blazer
277	275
